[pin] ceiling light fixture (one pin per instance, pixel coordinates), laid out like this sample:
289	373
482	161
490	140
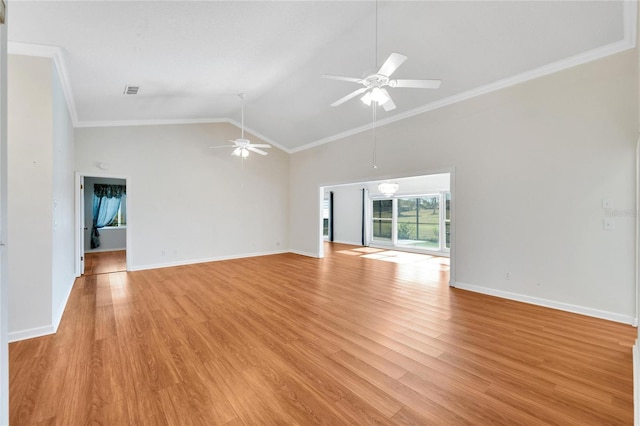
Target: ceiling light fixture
388	189
377	95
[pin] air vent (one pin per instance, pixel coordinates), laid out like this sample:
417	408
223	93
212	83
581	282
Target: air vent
131	90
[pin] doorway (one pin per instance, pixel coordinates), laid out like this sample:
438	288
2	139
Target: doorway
103	224
417	217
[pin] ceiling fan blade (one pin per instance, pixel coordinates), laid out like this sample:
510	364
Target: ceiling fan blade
341	78
391	64
349	96
237	151
389	105
260	145
256	150
222	146
418	84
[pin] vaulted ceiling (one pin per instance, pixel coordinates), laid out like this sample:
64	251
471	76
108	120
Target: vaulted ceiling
191	59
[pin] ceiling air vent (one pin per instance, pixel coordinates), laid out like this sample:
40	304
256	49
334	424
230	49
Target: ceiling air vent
131	90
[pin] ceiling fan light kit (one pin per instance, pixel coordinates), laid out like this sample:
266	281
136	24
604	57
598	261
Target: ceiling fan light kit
374	85
242	146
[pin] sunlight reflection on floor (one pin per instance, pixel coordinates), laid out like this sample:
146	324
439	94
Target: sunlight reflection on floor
393	256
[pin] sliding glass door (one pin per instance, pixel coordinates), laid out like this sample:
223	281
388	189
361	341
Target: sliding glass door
413	222
419	222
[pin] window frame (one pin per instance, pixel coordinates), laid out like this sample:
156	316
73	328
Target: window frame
393	242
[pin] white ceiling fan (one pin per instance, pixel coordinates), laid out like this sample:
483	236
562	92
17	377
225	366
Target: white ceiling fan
242	146
374	85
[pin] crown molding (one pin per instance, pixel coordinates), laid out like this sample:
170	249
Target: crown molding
57	55
162	122
630	10
150	122
259	136
630	13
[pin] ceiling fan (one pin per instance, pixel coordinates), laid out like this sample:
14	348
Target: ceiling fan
374	85
242	146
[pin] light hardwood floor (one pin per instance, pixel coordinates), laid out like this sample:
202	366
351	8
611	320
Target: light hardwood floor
105	262
287	339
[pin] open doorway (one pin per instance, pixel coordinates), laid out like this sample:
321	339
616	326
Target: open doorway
103	236
417	217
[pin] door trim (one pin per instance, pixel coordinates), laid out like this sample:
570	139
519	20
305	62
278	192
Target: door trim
79	213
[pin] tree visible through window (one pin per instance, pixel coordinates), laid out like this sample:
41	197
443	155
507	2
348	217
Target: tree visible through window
419	222
416	222
382	219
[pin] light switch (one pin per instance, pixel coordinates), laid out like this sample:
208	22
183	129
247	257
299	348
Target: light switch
607	203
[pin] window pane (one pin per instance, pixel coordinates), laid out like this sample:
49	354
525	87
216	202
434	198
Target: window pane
447	212
325	217
382	229
447	241
382	209
419	222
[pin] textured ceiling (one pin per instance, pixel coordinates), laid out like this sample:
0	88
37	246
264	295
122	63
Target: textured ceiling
192	58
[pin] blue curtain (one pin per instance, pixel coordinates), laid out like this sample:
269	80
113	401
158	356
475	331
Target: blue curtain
106	203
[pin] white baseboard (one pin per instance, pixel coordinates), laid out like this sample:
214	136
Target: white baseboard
100	250
31	333
305	253
52	328
210	259
636	385
351	243
596	313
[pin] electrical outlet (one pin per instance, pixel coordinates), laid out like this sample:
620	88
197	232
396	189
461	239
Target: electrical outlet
608	224
507	275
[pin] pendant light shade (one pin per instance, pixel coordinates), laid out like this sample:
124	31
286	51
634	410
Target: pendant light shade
388	189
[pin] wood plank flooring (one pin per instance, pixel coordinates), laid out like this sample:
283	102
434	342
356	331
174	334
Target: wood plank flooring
344	340
105	262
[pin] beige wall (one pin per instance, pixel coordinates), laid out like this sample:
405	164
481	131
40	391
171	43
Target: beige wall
186	202
30	192
40	198
532	164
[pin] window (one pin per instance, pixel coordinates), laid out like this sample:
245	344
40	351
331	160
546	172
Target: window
416	222
325	217
120	219
447	220
382	219
419	222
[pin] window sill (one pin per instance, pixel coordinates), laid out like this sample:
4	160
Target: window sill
113	227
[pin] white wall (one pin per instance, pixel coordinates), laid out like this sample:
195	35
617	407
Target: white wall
30	197
110	238
4	283
63	244
347	214
40	197
532	163
187	202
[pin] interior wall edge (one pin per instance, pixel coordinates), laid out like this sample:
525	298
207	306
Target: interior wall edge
58	317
